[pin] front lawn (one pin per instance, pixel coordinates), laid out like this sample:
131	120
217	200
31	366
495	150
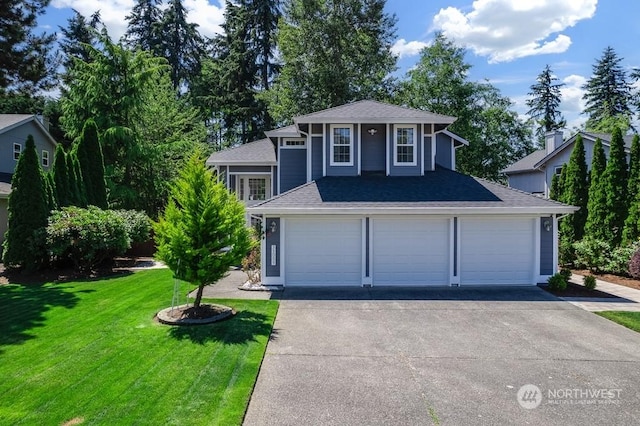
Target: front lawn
89	352
628	319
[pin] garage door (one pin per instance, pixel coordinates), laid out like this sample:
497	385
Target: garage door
410	251
496	251
323	252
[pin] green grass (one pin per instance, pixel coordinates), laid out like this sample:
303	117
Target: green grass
90	352
628	319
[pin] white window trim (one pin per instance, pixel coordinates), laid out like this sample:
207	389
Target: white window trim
17	151
341	126
44	151
283	143
395	145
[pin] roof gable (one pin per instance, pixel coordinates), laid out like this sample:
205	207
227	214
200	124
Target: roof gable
261	152
12	121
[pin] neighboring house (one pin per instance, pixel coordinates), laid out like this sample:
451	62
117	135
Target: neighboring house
367	194
534	172
14	130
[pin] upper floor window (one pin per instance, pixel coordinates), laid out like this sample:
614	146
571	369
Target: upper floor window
17	150
404	143
293	143
45	158
341	146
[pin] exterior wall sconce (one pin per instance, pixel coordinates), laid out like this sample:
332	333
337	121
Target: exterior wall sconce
273	227
546	223
372	131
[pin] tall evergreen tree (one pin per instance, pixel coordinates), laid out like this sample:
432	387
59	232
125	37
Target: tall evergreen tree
608	98
91	163
631	231
50	191
182	44
28	212
333	52
575	192
76	187
555	191
597	204
61	178
544	103
27	62
144	27
615	186
76	36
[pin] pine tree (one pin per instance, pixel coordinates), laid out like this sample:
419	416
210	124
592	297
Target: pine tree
50	190
575	192
61	178
544	103
78	34
144	27
28	211
631	231
91	161
82	187
615	186
555	191
76	193
607	95
597	204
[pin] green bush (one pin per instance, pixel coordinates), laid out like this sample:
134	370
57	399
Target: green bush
566	274
589	282
618	260
557	282
87	237
592	254
566	252
137	223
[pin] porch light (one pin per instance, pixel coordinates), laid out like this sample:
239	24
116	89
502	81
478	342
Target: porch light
372	131
546	223
273	226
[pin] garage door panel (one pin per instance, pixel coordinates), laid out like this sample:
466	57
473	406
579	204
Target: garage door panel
323	252
410	251
496	251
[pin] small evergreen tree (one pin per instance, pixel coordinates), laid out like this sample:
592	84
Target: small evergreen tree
201	219
91	161
554	191
631	232
596	206
61	178
575	192
50	190
82	187
615	187
28	212
76	197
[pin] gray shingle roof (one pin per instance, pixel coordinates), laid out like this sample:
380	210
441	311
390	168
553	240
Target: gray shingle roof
9	120
527	163
436	191
258	152
291	131
368	111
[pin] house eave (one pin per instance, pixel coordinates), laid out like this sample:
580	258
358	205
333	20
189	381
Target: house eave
242	163
371	120
457	211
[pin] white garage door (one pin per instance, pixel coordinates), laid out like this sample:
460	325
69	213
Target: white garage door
323	252
410	251
496	251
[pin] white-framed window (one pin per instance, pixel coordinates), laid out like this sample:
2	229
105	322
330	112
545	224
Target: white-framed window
293	143
252	188
558	170
45	158
257	189
404	145
341	145
17	150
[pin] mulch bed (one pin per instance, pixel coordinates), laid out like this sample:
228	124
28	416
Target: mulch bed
577	290
616	279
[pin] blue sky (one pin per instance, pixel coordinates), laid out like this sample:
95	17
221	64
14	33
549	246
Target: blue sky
508	41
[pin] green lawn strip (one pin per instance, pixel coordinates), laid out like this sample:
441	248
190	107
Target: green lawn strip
95	353
628	319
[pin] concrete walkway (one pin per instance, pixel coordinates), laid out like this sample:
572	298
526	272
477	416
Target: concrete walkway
628	298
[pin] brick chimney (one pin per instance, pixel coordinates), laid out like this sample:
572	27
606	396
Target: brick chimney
552	140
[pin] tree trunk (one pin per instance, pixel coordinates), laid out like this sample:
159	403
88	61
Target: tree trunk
196	303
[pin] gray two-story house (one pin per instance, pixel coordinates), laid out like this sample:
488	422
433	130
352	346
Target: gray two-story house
366	194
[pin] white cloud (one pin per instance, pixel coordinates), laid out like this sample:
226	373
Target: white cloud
572	103
505	30
113	12
403	48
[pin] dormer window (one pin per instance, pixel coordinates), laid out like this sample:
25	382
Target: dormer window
17	150
404	145
341	145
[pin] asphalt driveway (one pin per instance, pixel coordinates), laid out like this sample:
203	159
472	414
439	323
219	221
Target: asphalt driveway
444	356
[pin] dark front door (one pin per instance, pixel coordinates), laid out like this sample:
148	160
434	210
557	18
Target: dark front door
373	147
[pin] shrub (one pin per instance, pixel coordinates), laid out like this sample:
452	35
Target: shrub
618	260
592	254
137	223
634	265
557	282
566	274
589	282
251	263
566	252
87	237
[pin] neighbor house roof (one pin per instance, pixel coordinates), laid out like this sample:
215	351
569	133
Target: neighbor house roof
373	111
11	121
439	192
527	163
260	152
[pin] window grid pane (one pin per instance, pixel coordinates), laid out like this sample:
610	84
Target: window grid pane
257	189
404	145
341	145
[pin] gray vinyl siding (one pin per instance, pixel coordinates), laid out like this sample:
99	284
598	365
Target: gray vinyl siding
250	169
293	168
443	151
270	240
373	148
342	170
546	248
19	135
427	154
316	157
406	170
532	182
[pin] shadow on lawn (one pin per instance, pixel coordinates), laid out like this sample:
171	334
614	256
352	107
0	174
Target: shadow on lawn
243	327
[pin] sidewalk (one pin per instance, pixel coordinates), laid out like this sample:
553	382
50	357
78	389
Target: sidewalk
629	298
